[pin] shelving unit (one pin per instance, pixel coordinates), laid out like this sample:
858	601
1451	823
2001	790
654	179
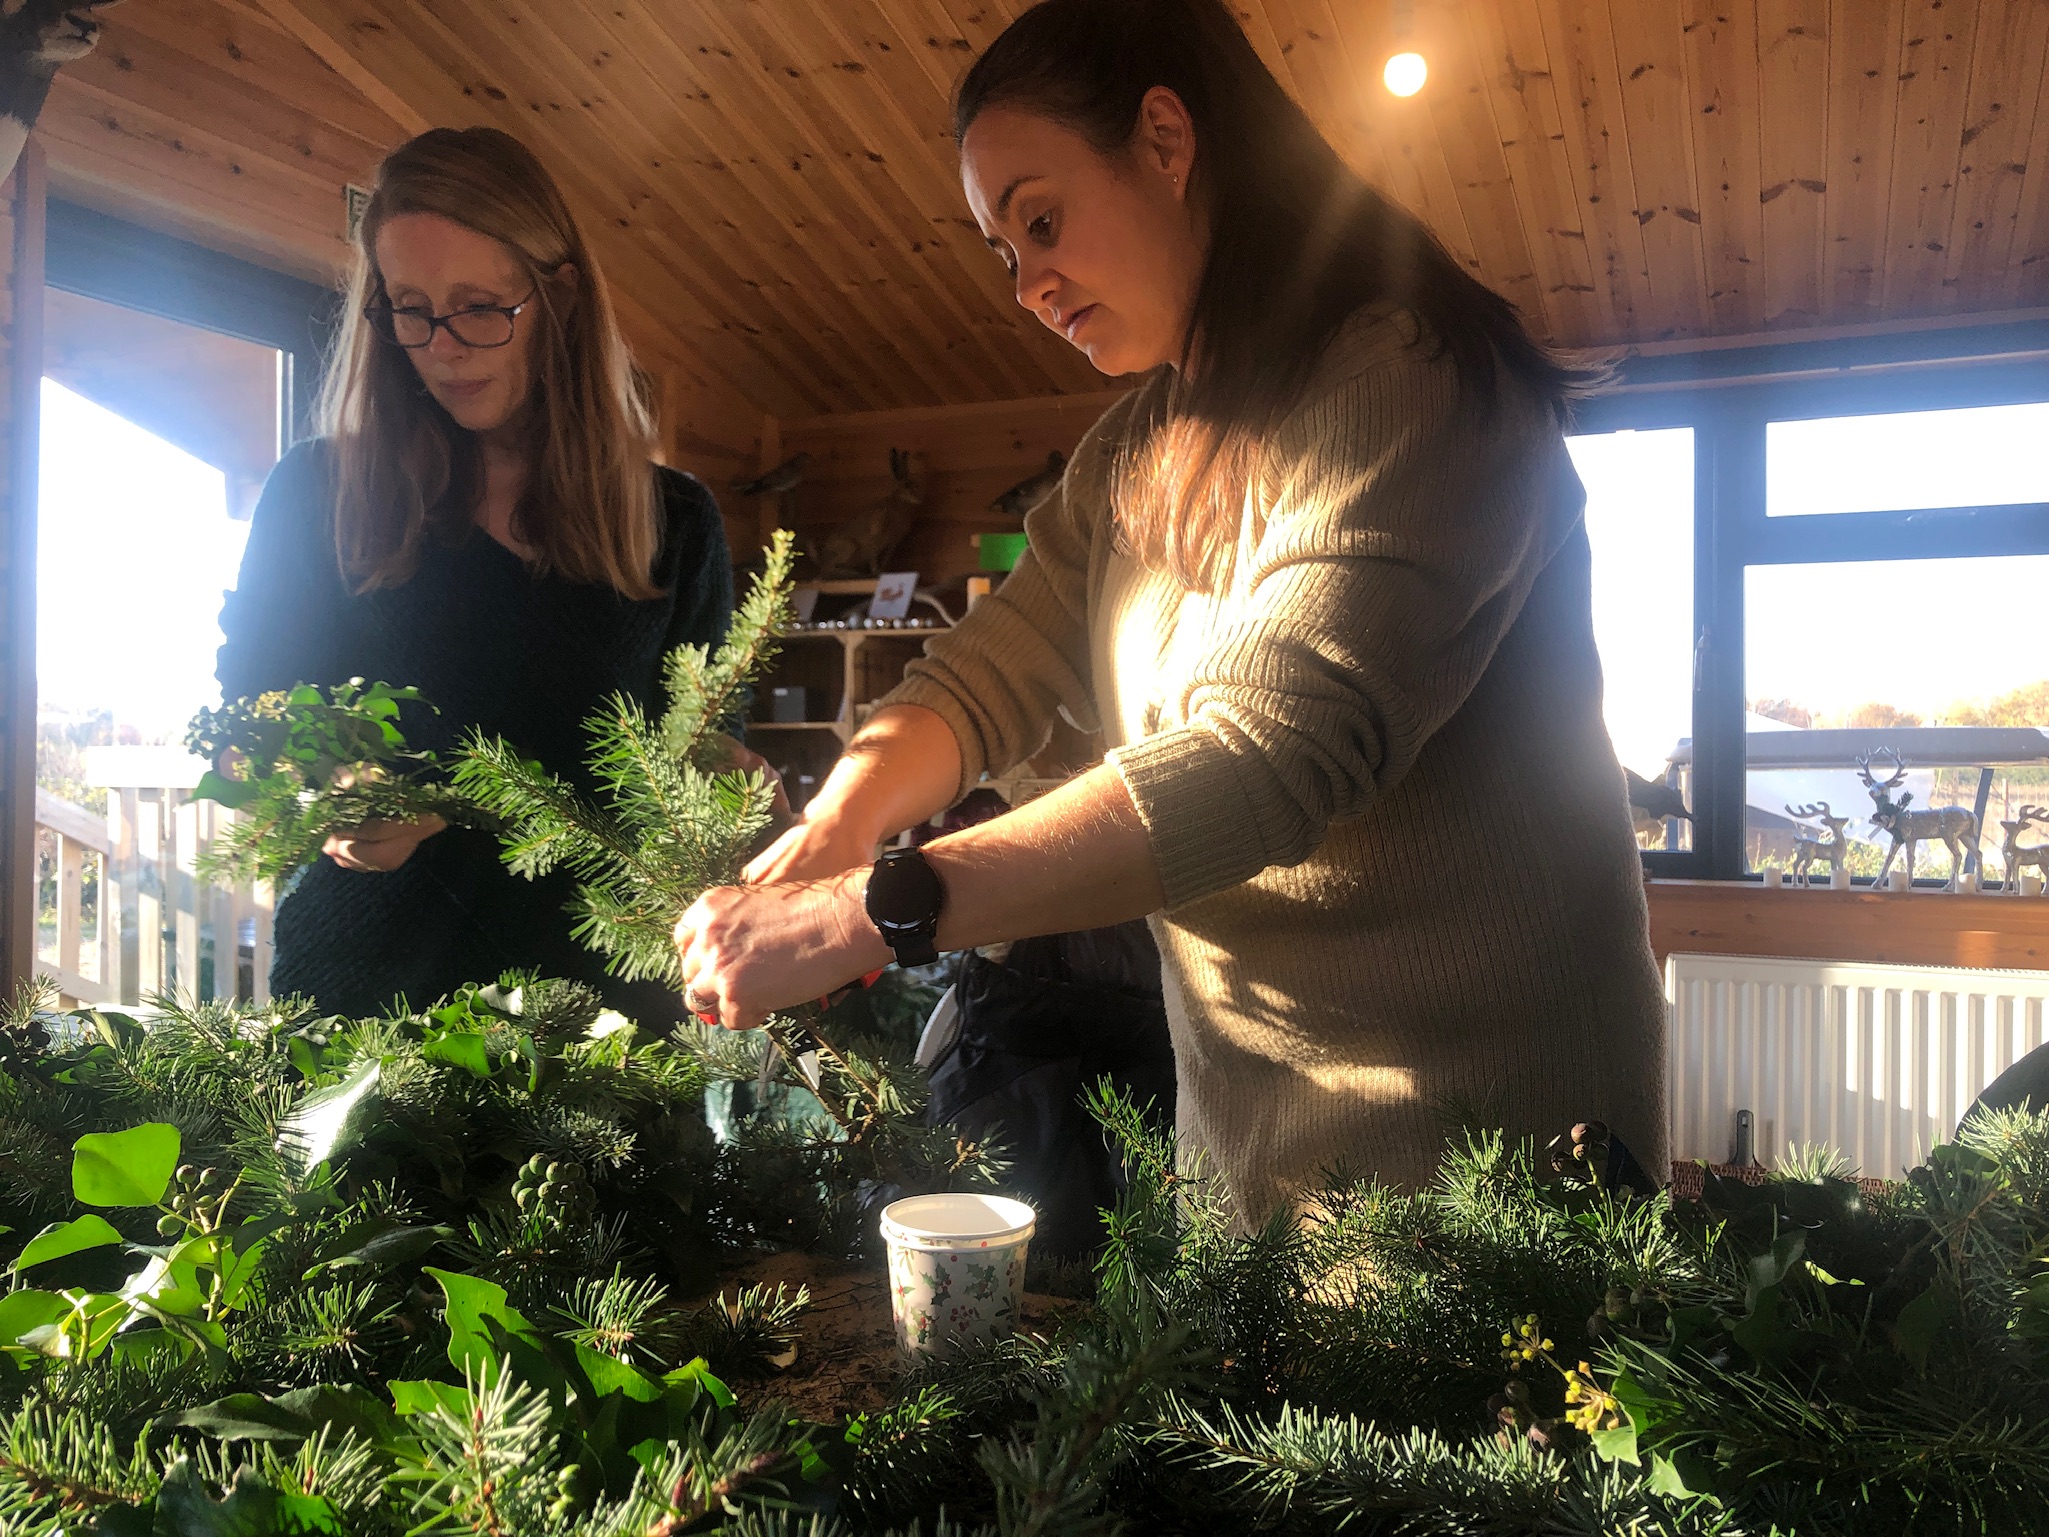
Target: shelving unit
843	671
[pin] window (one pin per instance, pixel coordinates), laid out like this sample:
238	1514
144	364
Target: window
1870	519
176	375
1975	456
1934	660
1640	525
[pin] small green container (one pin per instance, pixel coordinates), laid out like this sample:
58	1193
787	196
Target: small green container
999	552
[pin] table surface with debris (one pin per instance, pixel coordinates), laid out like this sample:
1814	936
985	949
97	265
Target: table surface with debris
846	1360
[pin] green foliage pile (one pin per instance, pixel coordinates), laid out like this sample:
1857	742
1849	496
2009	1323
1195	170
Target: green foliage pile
1516	1352
274	1272
313	761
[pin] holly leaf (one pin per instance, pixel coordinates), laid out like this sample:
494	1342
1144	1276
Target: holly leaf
185	1509
124	1168
323	1122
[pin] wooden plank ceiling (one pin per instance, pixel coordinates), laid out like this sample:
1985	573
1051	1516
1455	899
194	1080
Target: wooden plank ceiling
772	185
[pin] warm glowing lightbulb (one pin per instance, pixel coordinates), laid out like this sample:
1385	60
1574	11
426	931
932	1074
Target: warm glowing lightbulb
1405	73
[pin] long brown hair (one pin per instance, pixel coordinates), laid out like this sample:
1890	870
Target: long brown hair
404	471
1298	243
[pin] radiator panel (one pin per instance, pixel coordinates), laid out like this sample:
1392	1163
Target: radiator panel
1878	1062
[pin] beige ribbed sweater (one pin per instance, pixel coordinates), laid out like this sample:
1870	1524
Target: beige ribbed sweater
1402	890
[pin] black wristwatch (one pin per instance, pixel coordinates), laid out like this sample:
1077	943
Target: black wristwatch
904	898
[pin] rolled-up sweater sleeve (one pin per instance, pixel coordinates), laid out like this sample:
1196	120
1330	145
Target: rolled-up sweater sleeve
999	676
1400	525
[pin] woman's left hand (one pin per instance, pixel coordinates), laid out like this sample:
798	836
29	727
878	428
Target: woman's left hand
748	951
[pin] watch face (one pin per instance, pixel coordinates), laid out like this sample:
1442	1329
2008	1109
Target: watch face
903	891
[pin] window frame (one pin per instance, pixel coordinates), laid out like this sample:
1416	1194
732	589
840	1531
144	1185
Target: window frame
101	257
1728	396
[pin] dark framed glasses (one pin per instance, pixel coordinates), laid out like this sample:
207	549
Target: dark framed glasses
479	325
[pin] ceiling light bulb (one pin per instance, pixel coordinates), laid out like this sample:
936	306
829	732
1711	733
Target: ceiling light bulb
1405	74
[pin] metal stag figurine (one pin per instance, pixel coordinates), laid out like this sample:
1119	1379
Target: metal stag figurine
1812	851
2014	859
1956	827
37	38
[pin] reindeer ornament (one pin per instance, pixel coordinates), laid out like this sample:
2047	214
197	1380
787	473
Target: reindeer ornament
1812	851
1956	827
37	38
2013	858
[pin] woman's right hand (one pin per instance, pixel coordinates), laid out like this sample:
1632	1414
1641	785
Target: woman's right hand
380	847
811	850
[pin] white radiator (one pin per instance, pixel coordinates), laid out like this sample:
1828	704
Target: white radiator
1878	1062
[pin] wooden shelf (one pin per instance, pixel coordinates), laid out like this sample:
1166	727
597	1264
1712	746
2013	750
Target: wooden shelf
1921	928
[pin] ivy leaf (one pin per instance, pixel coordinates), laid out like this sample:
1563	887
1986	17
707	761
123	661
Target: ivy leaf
232	793
1617	1445
23	1312
91	1231
124	1168
473	1306
460	1048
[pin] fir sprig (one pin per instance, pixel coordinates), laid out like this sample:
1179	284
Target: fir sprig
668	823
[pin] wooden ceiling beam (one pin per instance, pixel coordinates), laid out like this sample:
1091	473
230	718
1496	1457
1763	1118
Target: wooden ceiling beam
1928	126
334	37
1863	96
1999	119
879	100
1722	69
1524	105
1792	50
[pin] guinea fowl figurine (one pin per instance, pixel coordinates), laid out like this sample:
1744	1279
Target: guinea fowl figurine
861	545
1027	493
784	477
1652	801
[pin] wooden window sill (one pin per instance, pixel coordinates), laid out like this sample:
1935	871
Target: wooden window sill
1920	928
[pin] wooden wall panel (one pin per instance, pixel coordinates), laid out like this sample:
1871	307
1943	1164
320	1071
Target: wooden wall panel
962	457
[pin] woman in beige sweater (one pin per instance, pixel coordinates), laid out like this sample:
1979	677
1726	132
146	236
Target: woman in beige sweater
1322	581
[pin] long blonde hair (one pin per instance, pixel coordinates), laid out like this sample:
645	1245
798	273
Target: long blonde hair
404	471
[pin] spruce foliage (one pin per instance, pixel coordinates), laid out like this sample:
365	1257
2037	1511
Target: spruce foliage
670	822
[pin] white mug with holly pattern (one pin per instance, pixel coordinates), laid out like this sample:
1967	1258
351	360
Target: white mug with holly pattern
956	1268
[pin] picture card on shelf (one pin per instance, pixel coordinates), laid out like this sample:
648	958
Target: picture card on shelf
893	593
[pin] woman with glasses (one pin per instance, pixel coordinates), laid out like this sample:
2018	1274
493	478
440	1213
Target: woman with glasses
480	519
1323	580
